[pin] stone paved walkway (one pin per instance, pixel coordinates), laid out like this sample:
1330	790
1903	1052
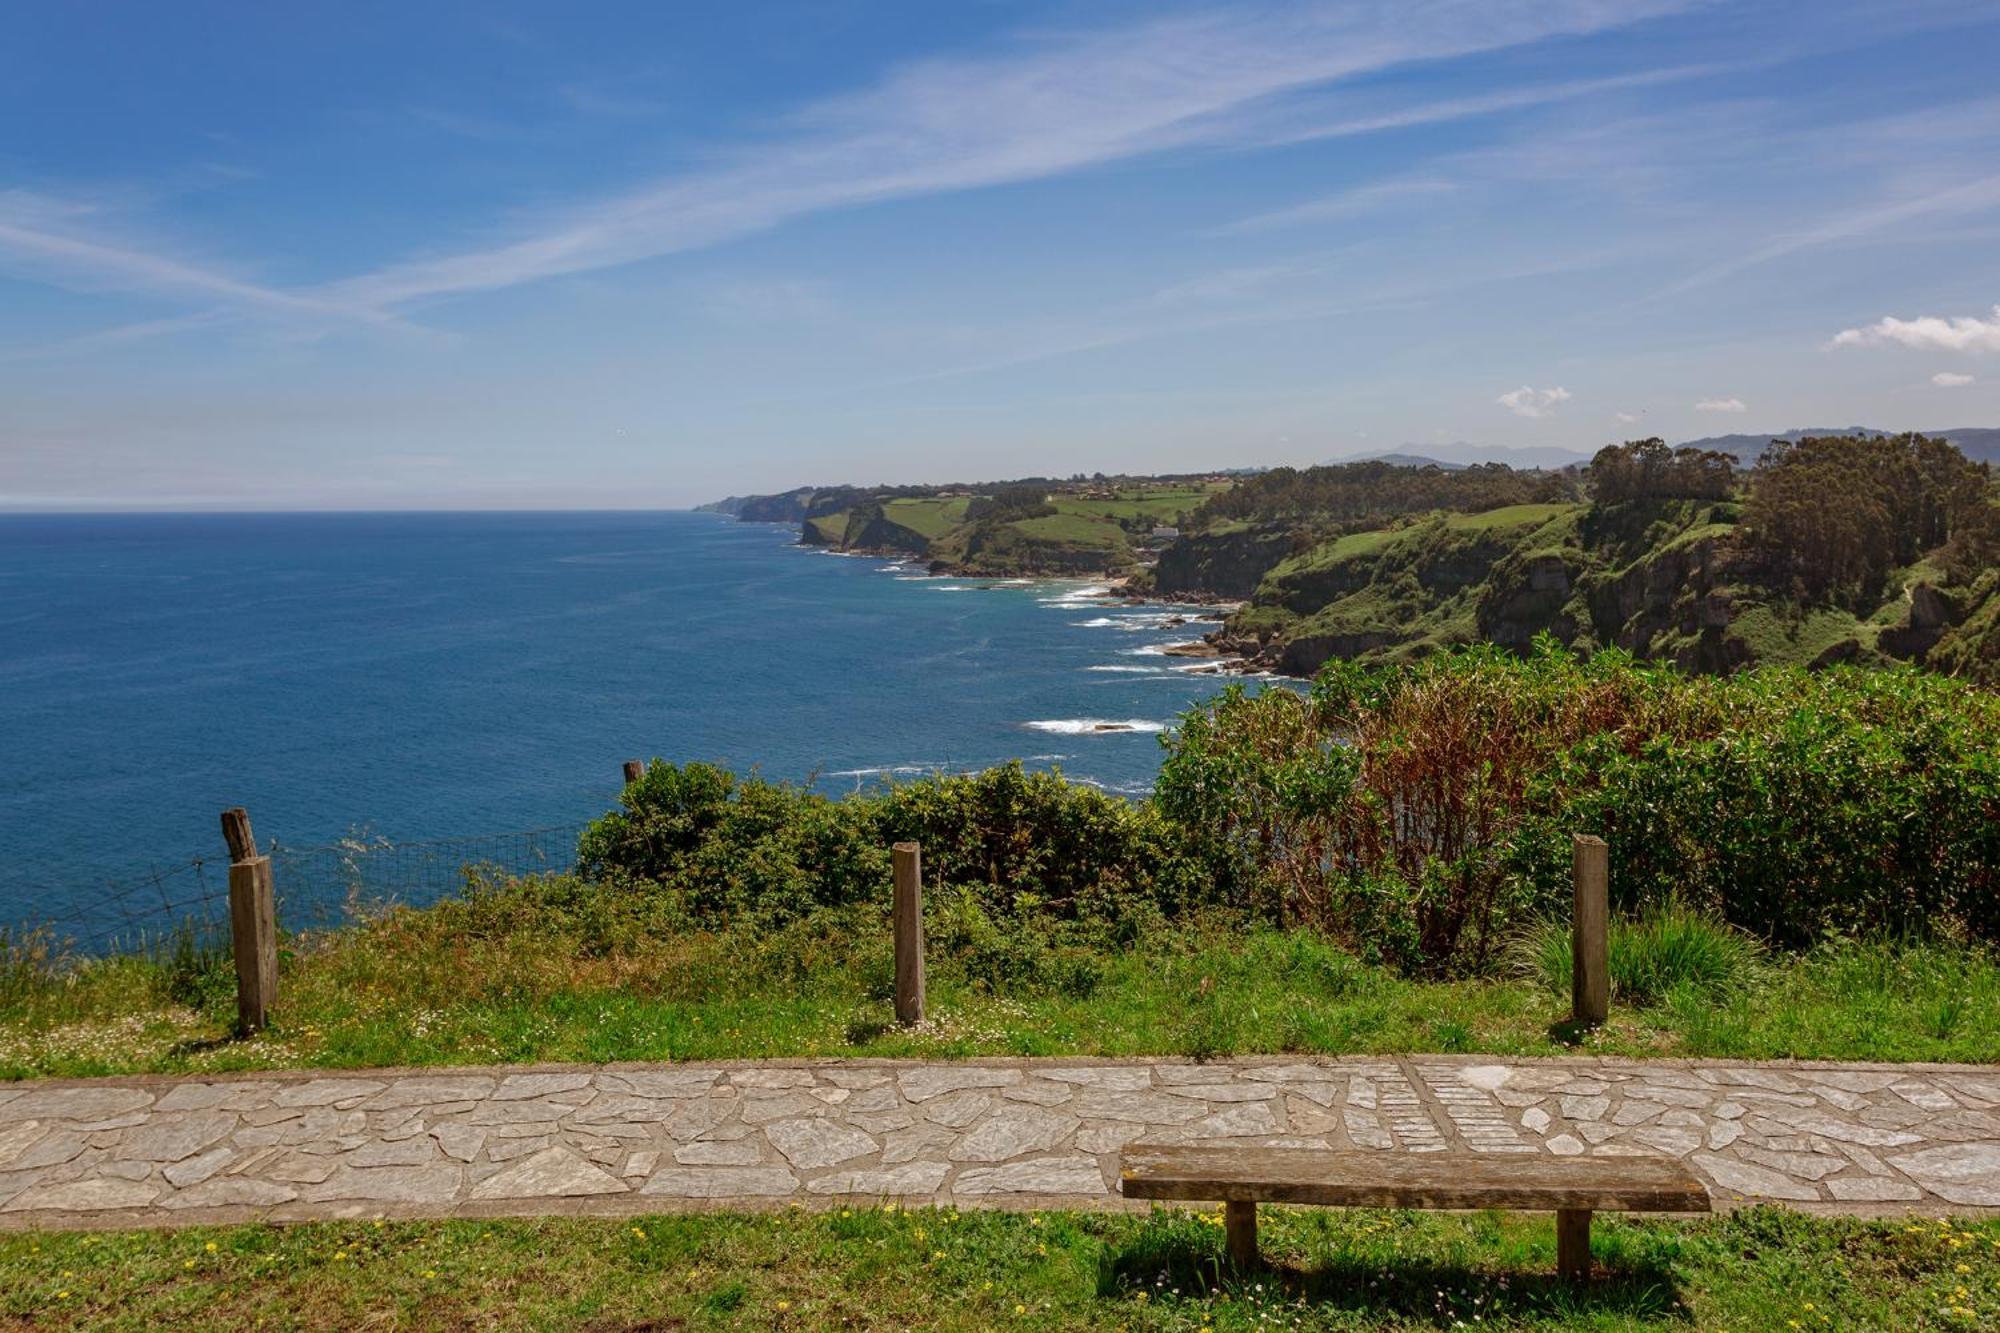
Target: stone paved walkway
629	1139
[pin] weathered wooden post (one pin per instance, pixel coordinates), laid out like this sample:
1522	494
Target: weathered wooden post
908	861
1239	1232
253	923
1573	1240
634	770
1590	950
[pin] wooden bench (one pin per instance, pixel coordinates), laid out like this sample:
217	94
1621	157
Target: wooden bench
1574	1187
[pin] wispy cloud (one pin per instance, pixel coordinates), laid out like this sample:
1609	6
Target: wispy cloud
46	238
1951	379
1971	197
1045	109
1534	404
1339	207
1726	406
1931	333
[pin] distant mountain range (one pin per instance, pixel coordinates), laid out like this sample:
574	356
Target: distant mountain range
1980	443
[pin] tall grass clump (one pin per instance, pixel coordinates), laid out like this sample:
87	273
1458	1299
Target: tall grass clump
1669	948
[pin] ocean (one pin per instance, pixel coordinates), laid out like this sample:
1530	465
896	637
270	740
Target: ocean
432	676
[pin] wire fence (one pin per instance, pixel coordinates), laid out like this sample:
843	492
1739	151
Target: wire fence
334	883
319	886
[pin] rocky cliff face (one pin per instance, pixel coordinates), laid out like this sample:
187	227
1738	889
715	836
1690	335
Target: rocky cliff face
789	507
1226	565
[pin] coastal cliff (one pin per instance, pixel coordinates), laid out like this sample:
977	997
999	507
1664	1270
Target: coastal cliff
1863	549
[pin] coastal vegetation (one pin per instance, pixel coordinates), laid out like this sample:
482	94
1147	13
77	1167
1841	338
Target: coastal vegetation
1803	864
1863	548
951	1270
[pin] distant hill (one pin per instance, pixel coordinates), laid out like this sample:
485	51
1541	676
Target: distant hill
1408	460
1460	453
1979	443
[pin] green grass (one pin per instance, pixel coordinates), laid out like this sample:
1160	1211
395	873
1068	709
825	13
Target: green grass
1511	516
509	978
1160	504
943	1269
832	528
1652	958
930	519
1075	529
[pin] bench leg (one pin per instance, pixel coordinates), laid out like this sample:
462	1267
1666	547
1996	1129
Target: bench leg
1573	1243
1239	1223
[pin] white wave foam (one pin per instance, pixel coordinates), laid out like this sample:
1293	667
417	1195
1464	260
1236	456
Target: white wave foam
1077	596
1127	670
1088	726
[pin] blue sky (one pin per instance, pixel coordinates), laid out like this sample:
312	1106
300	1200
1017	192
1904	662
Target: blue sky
511	255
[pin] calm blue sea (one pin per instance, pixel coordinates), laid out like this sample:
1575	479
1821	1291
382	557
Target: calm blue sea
424	676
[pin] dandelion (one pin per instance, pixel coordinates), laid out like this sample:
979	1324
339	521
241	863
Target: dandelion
783	1306
640	1232
189	1263
430	1272
62	1295
340	1254
1020	1310
1963	1268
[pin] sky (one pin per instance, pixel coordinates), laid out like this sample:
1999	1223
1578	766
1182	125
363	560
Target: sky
506	255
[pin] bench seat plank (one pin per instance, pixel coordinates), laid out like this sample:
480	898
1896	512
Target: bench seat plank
1193	1173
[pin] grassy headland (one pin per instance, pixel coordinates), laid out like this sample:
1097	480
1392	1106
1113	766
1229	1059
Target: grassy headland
1844	549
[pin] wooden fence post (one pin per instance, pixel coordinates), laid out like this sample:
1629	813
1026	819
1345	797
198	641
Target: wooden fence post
1590	952
253	923
634	770
909	916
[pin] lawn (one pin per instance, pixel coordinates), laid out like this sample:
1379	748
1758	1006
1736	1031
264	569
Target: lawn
929	518
942	1269
508	978
1160	504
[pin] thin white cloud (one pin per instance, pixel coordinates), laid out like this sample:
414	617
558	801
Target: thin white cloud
1058	106
1311	123
1930	333
1533	403
1972	197
1625	418
1339	207
44	238
1951	379
1732	406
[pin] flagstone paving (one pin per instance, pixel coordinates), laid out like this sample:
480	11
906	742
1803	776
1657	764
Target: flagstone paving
630	1139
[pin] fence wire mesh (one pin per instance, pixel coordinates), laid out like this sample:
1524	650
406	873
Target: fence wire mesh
332	883
318	886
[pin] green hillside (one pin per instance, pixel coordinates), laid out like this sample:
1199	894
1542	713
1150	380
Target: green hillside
1076	527
1842	550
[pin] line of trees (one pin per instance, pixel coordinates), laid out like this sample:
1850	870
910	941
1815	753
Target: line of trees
1348	492
1651	470
1836	515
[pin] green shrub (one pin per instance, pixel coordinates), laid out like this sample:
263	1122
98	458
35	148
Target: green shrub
1025	846
1425	813
1419	816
